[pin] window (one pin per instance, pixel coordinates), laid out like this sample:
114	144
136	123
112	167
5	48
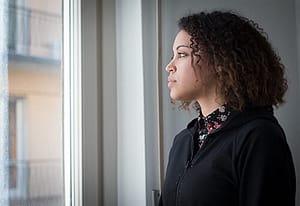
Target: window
34	103
39	116
18	169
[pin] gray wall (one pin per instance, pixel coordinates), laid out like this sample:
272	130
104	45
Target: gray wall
109	103
278	18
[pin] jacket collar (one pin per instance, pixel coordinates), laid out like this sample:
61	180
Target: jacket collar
238	118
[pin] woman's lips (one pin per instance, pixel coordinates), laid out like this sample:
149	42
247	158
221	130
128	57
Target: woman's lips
171	82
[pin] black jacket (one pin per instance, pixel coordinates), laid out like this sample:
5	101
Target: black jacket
247	162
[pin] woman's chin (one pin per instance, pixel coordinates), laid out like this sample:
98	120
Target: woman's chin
176	97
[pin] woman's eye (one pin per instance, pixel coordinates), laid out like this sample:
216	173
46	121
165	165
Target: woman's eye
180	55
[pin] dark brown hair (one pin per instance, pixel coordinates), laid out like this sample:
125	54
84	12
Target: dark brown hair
247	69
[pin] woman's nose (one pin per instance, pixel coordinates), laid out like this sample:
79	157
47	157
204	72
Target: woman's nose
170	67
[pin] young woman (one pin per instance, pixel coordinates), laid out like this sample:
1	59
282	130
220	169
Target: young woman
235	153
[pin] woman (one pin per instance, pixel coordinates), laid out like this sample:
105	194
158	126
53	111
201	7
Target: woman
235	153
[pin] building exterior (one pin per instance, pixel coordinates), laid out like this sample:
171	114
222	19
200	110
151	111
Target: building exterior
35	103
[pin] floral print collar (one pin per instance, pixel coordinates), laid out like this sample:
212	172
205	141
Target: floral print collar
210	123
215	119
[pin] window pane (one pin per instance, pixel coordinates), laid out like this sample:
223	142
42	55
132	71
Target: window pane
35	103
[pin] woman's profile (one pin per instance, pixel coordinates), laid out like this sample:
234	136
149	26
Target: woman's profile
235	152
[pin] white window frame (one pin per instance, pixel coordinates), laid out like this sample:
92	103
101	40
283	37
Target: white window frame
71	113
81	103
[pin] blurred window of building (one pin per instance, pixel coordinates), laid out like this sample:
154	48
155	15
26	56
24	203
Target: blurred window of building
35	143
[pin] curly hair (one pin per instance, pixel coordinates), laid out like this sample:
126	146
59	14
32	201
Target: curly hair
249	73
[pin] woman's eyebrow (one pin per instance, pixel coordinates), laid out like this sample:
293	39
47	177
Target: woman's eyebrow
182	45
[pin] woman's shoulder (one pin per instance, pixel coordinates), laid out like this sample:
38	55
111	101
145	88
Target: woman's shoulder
260	121
185	134
262	125
261	133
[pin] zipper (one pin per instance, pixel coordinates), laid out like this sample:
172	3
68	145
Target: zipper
193	158
186	167
189	164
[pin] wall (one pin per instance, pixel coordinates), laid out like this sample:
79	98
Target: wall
151	97
135	81
278	20
53	7
109	104
296	140
45	17
41	88
130	104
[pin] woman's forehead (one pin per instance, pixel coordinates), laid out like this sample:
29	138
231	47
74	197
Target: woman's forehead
182	38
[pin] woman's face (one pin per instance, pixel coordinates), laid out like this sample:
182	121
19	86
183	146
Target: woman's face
189	80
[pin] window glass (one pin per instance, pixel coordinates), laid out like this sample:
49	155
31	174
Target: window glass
35	149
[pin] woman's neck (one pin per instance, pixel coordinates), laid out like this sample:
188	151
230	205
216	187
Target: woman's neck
209	106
